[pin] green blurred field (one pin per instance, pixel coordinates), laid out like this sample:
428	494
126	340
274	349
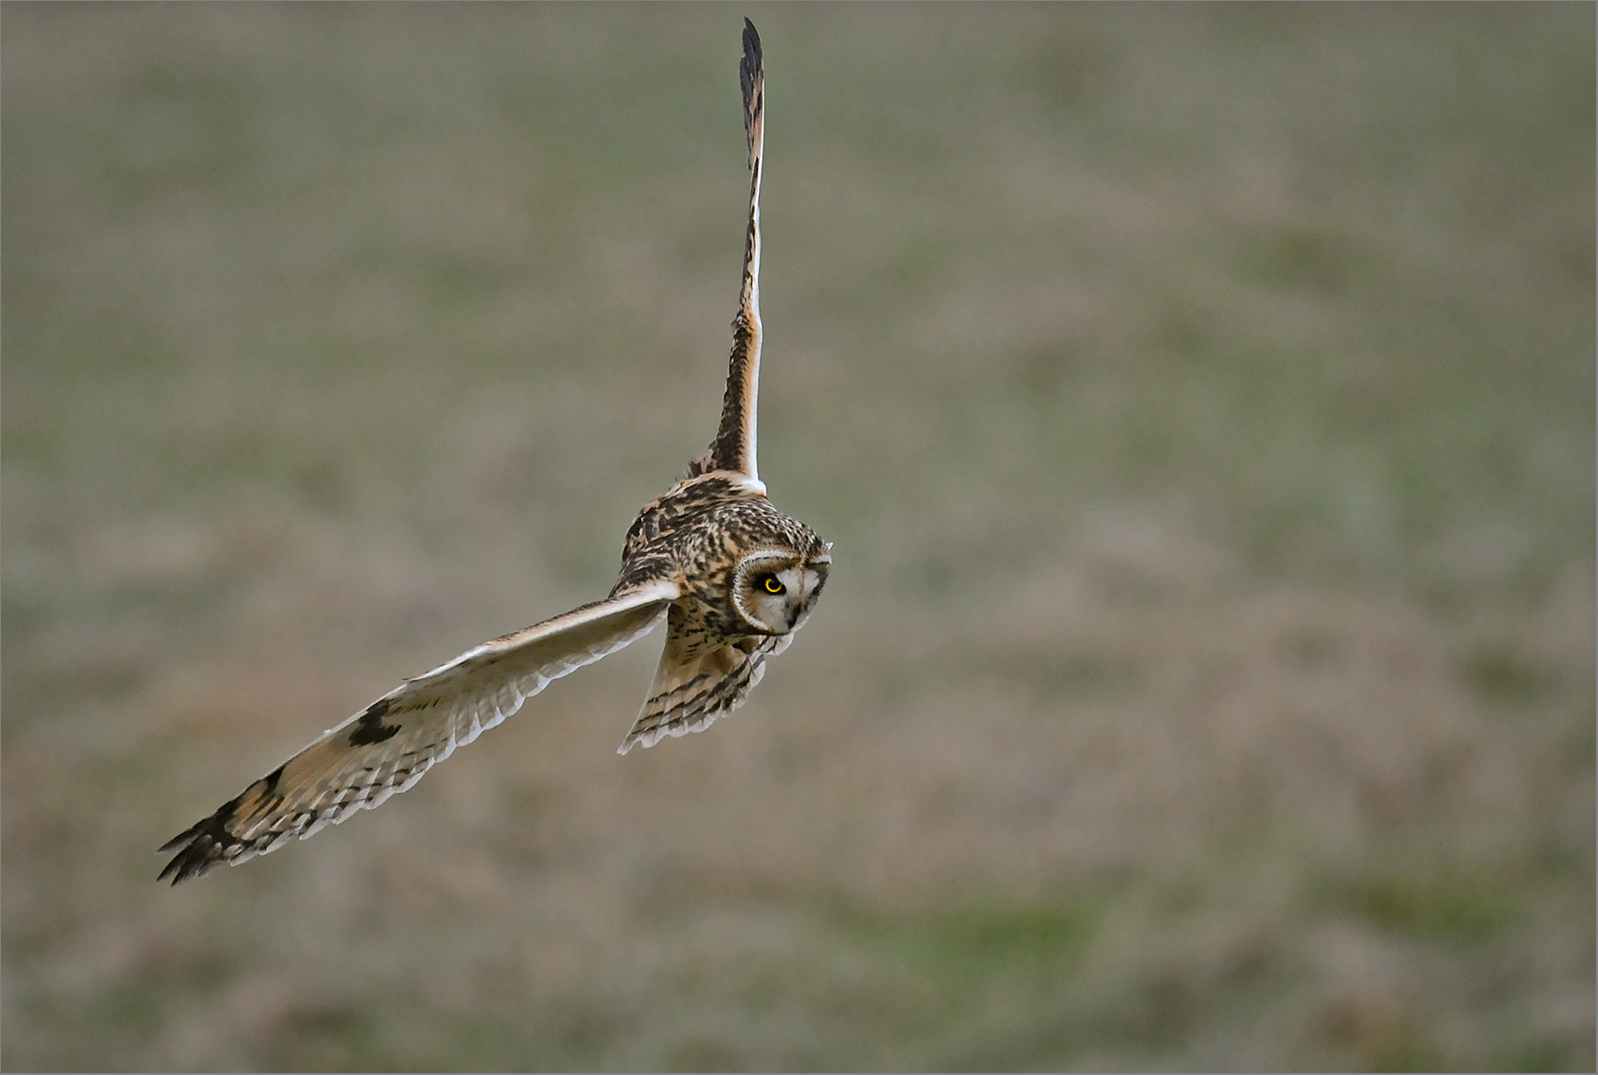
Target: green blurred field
1200	400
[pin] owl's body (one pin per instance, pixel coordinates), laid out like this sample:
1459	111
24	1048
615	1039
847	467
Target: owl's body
733	577
700	529
722	542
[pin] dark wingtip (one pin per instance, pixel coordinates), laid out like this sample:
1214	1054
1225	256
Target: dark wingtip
749	73
191	861
200	848
751	65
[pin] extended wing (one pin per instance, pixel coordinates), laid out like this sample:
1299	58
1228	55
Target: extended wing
389	745
734	446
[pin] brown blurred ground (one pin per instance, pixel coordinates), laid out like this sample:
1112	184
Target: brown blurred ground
1200	401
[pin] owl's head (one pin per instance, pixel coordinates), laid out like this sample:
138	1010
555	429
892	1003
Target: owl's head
774	589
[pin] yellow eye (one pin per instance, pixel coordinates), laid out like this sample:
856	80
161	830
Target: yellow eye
773	584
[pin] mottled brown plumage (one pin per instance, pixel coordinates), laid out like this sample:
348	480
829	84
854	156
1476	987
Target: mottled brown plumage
719	538
733	577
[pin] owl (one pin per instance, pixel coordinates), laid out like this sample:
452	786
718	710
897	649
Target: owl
732	576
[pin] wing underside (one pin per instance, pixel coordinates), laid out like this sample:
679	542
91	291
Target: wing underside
387	747
698	682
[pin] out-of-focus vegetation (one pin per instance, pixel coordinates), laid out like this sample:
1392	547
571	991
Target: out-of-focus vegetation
1201	401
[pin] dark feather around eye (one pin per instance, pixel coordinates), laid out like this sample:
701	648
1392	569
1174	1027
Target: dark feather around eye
772	584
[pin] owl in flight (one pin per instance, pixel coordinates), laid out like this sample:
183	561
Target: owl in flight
732	576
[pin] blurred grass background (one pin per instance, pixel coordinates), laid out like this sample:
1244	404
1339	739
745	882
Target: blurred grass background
1201	401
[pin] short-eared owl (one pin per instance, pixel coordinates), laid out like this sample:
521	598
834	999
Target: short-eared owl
732	576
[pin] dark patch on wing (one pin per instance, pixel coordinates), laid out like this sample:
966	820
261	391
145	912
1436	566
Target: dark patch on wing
370	728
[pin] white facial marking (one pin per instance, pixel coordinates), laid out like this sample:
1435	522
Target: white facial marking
774	593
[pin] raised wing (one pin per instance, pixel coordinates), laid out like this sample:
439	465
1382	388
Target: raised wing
734	446
389	745
696	683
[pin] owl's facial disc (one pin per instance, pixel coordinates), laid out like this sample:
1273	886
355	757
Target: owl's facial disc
774	591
